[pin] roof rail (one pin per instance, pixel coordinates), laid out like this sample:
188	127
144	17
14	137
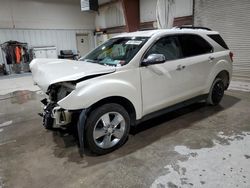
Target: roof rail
193	27
146	29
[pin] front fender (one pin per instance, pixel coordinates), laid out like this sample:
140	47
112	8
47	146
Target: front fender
88	94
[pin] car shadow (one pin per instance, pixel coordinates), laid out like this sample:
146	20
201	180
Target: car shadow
142	135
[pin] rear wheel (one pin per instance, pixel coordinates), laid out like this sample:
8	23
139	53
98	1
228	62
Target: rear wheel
107	128
216	92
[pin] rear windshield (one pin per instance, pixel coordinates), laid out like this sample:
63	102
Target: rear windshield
217	38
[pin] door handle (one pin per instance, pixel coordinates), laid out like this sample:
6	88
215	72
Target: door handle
180	67
211	58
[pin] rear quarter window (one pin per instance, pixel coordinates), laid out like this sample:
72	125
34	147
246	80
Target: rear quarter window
217	38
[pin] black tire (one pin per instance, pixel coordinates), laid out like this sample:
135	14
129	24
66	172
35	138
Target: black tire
216	92
94	120
48	121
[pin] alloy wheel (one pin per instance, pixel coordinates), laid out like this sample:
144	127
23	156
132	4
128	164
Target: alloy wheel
109	129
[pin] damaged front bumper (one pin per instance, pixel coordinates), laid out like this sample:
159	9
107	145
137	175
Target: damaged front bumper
52	111
53	114
55	117
62	117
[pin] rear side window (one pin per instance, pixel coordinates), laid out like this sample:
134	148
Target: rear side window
193	45
217	38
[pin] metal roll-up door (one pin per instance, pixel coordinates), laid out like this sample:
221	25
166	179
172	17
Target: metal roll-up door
232	19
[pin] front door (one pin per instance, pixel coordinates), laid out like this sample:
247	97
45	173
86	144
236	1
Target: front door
83	44
162	84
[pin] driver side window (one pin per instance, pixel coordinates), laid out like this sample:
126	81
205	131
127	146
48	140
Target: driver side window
167	46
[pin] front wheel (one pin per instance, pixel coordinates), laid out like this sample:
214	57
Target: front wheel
216	92
107	128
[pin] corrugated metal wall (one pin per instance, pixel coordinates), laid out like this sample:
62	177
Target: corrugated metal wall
62	39
232	19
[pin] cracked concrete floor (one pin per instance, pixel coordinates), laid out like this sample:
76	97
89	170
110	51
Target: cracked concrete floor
197	146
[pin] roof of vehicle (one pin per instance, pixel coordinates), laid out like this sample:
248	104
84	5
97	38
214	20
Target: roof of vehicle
150	33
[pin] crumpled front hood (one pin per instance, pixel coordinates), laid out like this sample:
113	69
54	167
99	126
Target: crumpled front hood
49	71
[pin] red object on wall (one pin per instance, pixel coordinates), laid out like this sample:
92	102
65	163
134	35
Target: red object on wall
18	54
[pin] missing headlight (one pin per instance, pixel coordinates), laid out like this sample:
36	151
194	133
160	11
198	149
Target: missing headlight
58	91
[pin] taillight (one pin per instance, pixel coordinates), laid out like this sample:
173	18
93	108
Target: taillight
231	56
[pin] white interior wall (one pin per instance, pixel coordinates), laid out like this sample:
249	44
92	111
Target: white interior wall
148	9
44	23
110	16
44	14
62	39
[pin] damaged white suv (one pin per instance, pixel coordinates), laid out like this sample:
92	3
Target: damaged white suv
131	78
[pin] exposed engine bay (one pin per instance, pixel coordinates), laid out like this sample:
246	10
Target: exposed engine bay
53	115
58	91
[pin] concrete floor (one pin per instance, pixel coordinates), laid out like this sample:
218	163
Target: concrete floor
197	146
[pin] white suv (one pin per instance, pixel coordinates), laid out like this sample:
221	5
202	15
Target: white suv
131	78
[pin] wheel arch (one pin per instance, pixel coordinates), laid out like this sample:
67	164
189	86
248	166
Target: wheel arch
124	102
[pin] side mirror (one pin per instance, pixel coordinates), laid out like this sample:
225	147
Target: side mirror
154	59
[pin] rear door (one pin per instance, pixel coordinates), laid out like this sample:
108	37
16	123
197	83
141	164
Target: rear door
198	61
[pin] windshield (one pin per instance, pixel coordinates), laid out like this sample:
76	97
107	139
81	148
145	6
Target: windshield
116	51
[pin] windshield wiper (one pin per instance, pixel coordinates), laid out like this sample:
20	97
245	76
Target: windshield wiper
99	61
92	61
